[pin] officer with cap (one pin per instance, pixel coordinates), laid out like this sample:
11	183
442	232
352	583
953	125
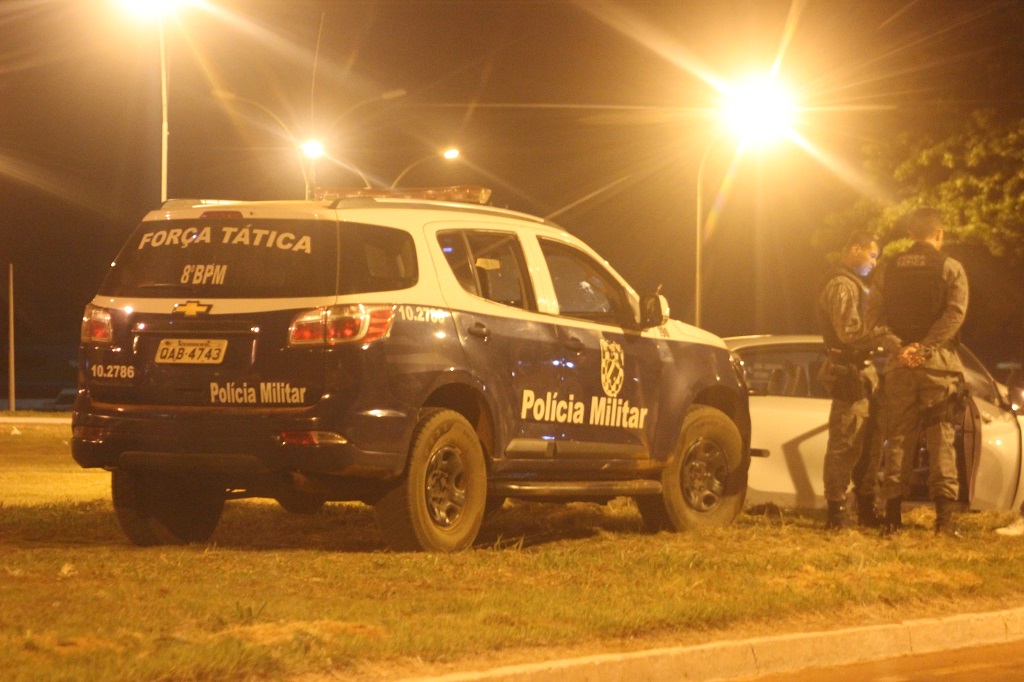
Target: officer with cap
921	295
851	381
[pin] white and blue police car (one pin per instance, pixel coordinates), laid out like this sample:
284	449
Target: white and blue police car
418	351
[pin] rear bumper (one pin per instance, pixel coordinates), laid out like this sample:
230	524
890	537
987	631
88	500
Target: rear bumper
228	441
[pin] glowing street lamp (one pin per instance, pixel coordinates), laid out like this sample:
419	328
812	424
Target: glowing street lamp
158	10
758	111
313	149
448	154
755	112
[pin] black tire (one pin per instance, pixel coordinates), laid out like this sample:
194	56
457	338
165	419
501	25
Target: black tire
165	510
438	505
299	502
704	482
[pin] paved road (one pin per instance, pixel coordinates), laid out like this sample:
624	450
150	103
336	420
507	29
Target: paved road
996	663
995	640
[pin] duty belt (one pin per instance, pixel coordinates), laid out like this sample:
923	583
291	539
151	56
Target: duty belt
846	356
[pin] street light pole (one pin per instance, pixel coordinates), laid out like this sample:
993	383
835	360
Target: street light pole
449	154
699	232
158	11
382	97
310	149
313	151
164	128
758	110
10	323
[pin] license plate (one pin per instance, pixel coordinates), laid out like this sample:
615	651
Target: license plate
191	351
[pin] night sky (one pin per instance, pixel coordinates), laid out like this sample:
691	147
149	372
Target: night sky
548	101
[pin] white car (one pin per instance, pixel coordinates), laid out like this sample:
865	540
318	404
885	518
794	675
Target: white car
789	428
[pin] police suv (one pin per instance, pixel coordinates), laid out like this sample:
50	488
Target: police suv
418	351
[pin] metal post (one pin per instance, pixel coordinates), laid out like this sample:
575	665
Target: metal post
699	230
699	239
699	233
164	128
10	331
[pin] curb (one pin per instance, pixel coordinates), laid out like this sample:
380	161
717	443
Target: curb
35	420
767	655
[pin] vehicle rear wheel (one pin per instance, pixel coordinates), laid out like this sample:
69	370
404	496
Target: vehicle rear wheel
439	504
165	510
704	482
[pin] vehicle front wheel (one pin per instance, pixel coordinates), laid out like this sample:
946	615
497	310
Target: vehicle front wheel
165	510
704	483
439	504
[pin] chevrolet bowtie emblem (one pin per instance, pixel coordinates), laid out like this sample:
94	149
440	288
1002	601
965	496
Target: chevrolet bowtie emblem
191	308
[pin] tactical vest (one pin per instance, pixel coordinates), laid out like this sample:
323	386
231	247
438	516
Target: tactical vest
828	332
915	291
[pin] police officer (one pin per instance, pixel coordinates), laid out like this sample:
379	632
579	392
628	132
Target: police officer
921	295
851	380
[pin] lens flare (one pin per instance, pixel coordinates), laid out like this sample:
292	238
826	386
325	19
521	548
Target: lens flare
758	110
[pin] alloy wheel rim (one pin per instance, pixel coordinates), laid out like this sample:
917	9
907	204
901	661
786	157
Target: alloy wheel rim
703	475
445	486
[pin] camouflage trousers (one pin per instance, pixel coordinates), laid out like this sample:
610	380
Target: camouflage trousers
915	401
852	452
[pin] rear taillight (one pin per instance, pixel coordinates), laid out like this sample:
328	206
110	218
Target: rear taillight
89	434
96	325
307	329
341	324
311	438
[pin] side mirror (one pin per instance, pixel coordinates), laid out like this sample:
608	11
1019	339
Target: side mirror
1017	399
653	310
1014	385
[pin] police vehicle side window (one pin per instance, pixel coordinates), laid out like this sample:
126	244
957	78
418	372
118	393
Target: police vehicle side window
456	252
374	258
584	289
489	265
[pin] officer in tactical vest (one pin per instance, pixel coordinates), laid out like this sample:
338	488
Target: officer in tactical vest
921	295
851	381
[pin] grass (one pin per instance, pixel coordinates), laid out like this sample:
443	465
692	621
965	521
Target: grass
276	595
36	466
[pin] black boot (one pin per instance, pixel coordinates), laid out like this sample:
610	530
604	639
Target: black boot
866	516
893	522
837	518
944	517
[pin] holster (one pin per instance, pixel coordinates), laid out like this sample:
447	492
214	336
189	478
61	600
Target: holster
844	381
953	408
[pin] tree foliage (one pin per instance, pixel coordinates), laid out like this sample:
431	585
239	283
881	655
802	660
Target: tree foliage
974	174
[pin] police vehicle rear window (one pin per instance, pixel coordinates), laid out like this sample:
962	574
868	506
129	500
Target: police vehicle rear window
260	259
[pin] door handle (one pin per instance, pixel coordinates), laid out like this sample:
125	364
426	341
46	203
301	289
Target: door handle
480	331
574	344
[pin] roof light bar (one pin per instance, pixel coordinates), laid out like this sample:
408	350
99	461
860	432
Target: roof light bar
468	194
